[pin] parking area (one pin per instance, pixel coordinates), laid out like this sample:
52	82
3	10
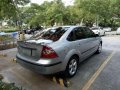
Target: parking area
98	72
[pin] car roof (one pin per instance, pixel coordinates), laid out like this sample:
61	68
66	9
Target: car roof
71	26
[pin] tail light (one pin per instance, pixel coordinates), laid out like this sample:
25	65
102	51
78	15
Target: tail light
48	52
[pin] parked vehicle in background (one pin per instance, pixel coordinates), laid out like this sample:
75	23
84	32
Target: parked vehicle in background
30	31
118	31
98	30
2	33
107	29
33	30
58	49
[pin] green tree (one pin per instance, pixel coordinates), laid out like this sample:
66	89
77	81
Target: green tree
101	9
46	14
86	11
9	8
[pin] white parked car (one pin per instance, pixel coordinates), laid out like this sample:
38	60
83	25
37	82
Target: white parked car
107	29
98	30
118	31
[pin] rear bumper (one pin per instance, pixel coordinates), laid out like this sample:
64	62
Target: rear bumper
39	68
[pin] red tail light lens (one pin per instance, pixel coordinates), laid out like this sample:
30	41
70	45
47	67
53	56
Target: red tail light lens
48	52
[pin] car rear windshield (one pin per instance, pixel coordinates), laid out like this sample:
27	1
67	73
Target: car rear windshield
94	28
51	33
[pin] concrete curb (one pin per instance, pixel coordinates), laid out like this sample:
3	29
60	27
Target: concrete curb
62	82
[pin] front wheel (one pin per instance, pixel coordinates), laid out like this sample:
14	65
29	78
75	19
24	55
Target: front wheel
104	34
72	67
99	48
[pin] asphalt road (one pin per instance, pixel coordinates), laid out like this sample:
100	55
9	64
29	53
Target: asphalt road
99	72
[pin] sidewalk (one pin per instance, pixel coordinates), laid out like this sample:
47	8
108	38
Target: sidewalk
8	50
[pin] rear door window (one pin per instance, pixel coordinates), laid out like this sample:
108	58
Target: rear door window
79	33
88	33
76	34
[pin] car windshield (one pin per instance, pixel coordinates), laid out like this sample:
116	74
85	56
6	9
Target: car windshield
94	28
51	33
118	29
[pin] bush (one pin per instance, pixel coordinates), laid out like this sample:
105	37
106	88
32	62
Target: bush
7	42
8	86
8	46
5	37
9	30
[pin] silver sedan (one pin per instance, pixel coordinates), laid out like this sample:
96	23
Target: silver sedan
58	49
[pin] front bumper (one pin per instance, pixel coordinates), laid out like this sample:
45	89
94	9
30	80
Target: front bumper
39	68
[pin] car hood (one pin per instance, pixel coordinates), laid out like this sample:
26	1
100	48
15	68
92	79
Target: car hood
95	30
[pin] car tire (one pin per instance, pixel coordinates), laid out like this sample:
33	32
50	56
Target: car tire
104	34
99	34
99	49
72	67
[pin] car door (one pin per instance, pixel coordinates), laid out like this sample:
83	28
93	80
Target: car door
81	42
78	42
91	40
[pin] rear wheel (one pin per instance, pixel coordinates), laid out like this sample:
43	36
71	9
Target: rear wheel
99	48
72	67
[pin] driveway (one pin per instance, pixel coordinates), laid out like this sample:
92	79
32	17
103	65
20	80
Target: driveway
99	72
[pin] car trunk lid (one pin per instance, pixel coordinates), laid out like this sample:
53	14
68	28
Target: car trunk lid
32	48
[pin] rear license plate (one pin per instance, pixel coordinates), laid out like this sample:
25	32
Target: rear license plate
25	51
